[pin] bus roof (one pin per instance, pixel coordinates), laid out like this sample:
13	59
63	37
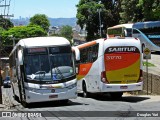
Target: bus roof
129	25
41	41
148	24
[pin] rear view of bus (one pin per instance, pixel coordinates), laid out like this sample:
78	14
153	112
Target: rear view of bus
123	66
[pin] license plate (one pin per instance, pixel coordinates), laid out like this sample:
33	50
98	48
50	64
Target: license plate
53	96
123	87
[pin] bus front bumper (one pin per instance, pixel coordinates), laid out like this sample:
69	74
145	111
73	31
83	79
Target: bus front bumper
32	96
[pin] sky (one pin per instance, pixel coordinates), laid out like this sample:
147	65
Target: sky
51	8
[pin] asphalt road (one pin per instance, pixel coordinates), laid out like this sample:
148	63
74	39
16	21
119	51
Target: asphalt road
129	107
97	105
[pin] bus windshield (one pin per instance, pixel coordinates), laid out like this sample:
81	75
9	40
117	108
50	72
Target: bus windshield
121	30
49	64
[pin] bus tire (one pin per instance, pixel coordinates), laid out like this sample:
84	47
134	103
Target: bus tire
143	46
16	98
14	95
25	104
116	95
85	92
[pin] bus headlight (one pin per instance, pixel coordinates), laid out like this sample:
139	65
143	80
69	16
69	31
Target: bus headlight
31	89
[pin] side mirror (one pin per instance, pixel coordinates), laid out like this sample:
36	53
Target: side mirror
76	70
20	57
77	53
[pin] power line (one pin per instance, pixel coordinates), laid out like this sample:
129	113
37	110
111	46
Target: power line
5	5
5	8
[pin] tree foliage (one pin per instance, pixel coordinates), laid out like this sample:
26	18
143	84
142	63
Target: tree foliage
66	31
114	12
5	23
20	32
131	11
91	13
41	20
140	10
151	10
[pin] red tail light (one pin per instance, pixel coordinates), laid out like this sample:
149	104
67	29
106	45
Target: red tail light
140	76
103	77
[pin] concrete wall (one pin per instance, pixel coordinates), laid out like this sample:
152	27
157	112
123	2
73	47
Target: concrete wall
153	83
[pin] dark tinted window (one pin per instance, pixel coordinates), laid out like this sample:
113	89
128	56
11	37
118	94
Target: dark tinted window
135	31
89	54
60	49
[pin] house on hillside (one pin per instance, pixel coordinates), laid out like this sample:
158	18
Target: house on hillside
79	35
53	30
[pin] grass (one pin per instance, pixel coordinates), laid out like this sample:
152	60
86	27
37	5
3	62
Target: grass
149	64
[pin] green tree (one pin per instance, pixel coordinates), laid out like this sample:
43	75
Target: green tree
89	12
88	16
151	10
131	11
5	23
139	10
1	30
66	31
156	9
20	32
41	20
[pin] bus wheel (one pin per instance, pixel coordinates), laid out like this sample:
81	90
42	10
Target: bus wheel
15	96
143	46
85	93
116	95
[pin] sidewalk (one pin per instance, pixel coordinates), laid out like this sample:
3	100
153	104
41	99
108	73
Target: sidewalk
3	106
155	59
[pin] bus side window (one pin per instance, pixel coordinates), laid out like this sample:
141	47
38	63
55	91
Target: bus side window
95	52
83	56
89	51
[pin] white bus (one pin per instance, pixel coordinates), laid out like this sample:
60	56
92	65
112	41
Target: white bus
147	32
43	69
109	66
121	30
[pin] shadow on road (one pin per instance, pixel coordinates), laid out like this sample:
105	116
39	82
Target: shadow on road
156	53
134	99
107	97
52	104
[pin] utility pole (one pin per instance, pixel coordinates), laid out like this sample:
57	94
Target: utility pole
1	101
100	29
5	5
